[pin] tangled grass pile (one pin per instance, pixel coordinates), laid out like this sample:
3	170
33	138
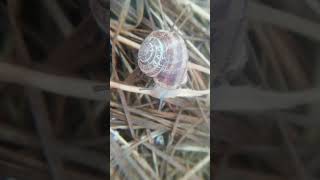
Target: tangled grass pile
146	143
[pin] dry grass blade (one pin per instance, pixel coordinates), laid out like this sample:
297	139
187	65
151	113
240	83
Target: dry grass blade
196	168
51	83
285	20
120	160
123	16
247	98
140	11
197	9
122	97
166	157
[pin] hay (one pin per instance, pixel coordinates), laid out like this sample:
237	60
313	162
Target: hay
172	143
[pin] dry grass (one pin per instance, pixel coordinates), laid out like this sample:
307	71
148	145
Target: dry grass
146	143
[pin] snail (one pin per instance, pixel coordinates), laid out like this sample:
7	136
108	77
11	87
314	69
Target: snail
163	56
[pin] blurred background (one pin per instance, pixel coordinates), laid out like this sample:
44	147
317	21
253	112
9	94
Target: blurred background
53	75
266	89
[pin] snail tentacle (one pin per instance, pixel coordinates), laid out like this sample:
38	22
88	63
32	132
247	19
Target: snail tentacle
162	102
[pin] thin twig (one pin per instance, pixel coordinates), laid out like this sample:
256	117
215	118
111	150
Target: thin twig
177	92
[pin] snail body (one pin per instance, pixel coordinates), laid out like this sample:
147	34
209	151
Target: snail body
163	56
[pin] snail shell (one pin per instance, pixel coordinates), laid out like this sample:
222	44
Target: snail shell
163	56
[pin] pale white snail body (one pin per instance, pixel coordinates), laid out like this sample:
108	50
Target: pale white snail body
164	57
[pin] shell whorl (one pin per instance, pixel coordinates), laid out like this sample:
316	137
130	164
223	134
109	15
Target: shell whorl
163	55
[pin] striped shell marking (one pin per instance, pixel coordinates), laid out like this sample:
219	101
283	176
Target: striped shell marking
163	55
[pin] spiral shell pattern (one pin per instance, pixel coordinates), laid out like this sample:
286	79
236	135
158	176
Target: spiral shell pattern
163	55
